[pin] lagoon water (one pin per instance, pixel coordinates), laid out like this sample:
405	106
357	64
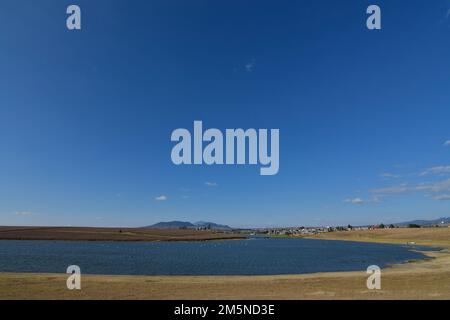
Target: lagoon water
258	256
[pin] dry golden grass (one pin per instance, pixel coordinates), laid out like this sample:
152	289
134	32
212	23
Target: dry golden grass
423	236
111	234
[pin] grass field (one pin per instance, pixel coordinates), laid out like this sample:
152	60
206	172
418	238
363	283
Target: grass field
111	234
424	236
428	279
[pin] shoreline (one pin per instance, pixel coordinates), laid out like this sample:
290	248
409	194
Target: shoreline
424	279
132	240
417	279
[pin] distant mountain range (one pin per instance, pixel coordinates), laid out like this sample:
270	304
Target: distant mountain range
215	226
425	222
188	225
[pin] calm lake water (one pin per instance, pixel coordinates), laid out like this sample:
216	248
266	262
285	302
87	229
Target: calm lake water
245	257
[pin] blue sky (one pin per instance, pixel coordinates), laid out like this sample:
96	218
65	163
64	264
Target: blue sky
86	116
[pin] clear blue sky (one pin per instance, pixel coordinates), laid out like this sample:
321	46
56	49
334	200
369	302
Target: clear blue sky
86	116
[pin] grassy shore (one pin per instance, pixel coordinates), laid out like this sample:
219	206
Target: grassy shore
438	237
428	279
112	234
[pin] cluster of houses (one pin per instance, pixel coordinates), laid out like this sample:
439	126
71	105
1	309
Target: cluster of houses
293	231
304	231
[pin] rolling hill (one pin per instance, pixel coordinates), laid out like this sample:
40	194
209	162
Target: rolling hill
188	225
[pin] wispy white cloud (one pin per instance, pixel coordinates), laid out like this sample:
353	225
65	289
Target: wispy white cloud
354	200
23	213
433	187
358	201
161	198
436	170
392	189
442	197
211	184
249	66
390	175
447	143
376	199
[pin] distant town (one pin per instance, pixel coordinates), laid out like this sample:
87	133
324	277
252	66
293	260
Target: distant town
299	231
